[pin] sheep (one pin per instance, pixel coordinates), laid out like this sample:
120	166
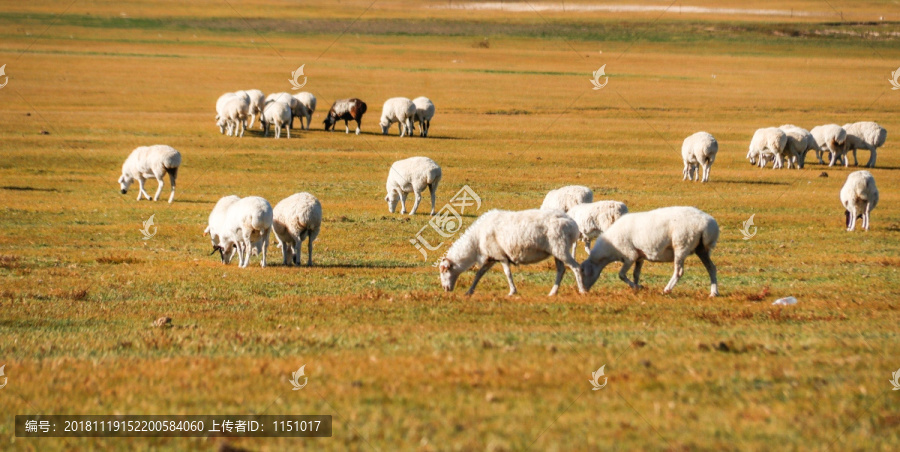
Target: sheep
411	175
400	110
864	135
859	196
150	161
567	197
594	218
698	149
345	109
297	217
246	228
257	105
662	235
424	113
233	115
799	142
767	141
220	102
308	101
830	138
277	114
217	221
515	238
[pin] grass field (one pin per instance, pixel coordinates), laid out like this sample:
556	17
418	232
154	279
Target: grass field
400	364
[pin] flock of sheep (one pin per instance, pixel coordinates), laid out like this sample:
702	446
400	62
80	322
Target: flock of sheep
567	215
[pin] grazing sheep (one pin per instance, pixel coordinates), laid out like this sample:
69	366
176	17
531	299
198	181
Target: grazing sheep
515	238
424	113
297	108
662	235
412	175
400	110
345	109
247	225
150	161
220	104
217	222
233	115
297	217
767	141
257	105
567	197
308	101
830	138
859	196
799	142
277	114
864	135
698	149
594	218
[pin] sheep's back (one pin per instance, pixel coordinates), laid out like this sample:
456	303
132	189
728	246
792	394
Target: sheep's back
297	213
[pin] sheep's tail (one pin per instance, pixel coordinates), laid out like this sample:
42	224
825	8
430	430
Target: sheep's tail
172	172
710	235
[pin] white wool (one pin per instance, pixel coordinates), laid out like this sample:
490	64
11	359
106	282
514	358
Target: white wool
246	228
514	238
150	161
233	115
217	221
799	142
864	135
346	110
257	105
859	196
700	150
297	218
412	175
830	138
220	102
400	110
296	107
567	197
308	102
594	218
424	113
670	234
768	141
277	114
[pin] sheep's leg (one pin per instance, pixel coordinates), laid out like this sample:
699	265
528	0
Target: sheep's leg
706	172
265	247
686	171
481	271
358	125
852	224
172	176
252	119
508	273
866	215
288	130
576	270
159	187
432	188
141	191
415	206
711	269
286	252
623	274
403	202
855	162
638	264
309	247
347	127
560	272
833	157
587	247
872	155
679	271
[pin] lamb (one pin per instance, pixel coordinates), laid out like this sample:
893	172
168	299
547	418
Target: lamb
257	105
864	135
150	161
297	217
859	196
799	142
830	138
662	235
412	175
424	113
308	101
515	238
594	218
233	115
400	110
277	114
217	221
698	149
345	109
246	228
767	141
567	197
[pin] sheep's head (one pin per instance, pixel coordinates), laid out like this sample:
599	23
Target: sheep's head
590	272
392	199
448	276
125	181
385	125
329	122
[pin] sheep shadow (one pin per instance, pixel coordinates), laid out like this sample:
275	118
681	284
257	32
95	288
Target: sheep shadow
18	188
751	182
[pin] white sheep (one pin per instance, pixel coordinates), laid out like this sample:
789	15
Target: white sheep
400	110
150	161
799	142
297	108
233	115
859	196
864	135
514	238
257	105
567	197
411	175
277	114
767	141
217	222
669	234
220	102
247	225
700	150
297	217
424	113
594	218
308	101
830	138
